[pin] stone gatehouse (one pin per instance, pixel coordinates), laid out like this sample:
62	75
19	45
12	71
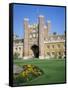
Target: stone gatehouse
38	42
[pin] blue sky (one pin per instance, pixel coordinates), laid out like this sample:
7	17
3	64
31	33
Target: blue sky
55	14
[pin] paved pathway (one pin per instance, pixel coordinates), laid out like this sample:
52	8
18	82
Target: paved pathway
17	69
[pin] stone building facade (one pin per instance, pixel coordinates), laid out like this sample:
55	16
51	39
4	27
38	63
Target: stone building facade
38	42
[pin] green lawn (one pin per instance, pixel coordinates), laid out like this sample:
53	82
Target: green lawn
54	70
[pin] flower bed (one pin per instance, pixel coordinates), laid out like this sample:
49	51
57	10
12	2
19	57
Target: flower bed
28	73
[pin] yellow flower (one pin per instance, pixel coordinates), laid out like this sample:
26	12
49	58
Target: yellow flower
29	65
23	74
30	69
27	72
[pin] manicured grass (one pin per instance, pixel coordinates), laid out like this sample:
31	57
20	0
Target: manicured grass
54	70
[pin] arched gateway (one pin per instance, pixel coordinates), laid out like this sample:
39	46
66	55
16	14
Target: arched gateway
35	50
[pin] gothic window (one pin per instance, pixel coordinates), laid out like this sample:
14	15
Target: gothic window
19	48
16	41
58	45
59	53
16	48
48	53
48	46
52	46
53	53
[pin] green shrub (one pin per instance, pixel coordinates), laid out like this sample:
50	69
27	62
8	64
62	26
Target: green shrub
16	55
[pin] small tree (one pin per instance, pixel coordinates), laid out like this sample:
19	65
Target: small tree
16	55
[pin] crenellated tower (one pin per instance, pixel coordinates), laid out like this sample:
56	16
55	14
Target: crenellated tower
34	38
